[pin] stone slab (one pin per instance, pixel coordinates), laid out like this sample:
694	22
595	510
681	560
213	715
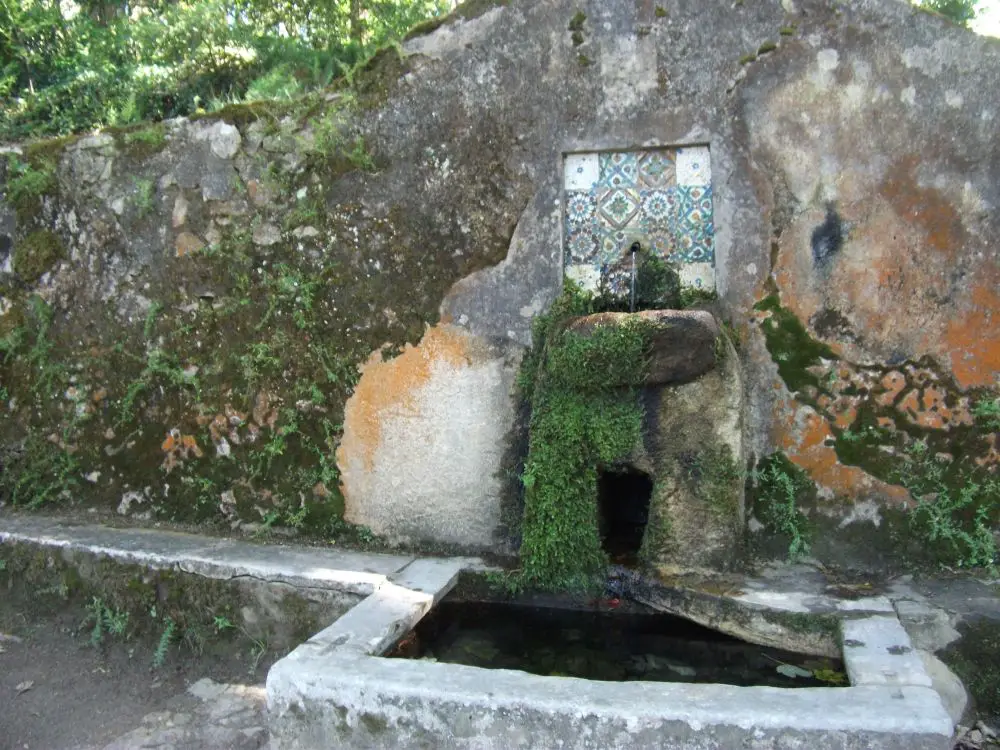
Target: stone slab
353	572
877	651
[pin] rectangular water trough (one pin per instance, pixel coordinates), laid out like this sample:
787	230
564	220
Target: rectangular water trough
336	690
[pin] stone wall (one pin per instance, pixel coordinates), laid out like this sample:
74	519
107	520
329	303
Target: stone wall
855	179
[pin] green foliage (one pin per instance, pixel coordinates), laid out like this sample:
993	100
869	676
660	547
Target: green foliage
106	621
118	63
28	181
163	644
585	414
657	285
779	487
987	413
955	515
958	11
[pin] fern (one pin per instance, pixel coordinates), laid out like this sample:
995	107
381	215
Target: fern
160	655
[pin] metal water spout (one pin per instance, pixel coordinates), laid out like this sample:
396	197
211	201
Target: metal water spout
634	249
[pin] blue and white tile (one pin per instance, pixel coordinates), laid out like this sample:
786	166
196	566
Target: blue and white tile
657	207
581	171
581	209
694	166
587	276
582	246
619	170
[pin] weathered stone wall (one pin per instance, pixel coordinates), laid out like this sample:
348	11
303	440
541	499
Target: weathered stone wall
855	182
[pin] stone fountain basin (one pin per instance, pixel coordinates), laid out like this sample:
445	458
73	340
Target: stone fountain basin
683	345
337	691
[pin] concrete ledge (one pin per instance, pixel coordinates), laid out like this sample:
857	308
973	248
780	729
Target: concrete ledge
336	690
350	572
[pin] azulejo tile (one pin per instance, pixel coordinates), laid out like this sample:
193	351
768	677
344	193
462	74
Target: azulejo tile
619	170
582	246
662	197
657	206
617	207
581	209
694	166
581	171
657	169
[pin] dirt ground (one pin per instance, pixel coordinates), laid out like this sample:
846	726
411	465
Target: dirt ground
60	692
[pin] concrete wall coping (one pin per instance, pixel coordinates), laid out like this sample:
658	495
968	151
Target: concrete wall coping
342	570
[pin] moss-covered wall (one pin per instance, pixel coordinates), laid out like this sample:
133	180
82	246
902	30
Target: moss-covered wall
184	306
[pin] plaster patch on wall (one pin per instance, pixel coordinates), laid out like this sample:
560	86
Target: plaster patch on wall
659	197
424	436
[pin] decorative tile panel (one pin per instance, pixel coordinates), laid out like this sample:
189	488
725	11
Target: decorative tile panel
661	198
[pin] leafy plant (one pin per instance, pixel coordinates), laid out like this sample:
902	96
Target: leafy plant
107	621
779	487
163	644
955	513
987	413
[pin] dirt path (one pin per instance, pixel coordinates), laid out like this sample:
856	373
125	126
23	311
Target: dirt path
59	692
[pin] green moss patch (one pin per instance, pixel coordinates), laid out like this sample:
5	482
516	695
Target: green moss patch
37	254
790	345
584	414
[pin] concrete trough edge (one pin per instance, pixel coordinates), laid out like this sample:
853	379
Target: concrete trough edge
222	559
328	690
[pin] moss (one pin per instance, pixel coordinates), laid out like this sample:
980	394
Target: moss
791	346
374	80
37	254
246	113
584	414
748	58
660	12
577	21
768	46
787	30
583	60
143	141
716	479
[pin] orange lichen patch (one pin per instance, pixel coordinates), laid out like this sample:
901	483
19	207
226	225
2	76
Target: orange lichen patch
845	410
927	207
894	382
972	340
389	388
179	447
807	440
